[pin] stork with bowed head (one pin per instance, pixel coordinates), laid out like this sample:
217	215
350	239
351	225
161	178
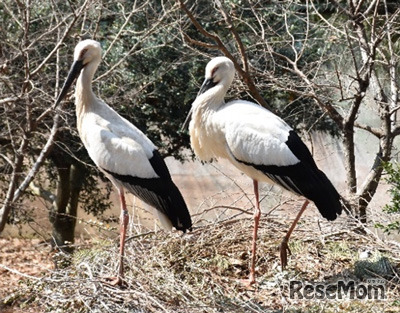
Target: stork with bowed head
121	151
258	143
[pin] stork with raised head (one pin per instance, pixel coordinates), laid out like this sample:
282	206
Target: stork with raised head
258	143
121	151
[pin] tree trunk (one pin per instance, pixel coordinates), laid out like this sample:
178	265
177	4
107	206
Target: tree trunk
64	213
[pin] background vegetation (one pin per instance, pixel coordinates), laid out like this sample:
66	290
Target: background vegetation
321	65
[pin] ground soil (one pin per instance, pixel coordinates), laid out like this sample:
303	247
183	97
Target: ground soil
19	257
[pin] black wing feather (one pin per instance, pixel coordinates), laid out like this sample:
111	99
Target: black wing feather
304	178
160	193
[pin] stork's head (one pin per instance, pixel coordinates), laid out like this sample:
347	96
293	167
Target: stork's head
87	53
219	71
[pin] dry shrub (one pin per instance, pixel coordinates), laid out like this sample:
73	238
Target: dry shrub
201	271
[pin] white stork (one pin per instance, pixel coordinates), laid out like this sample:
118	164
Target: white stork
258	143
121	151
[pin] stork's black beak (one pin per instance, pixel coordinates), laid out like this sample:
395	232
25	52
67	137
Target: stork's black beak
207	84
74	72
185	124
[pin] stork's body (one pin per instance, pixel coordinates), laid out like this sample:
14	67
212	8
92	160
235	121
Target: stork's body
120	150
258	143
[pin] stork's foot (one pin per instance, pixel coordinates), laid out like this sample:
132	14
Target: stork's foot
283	250
247	282
114	281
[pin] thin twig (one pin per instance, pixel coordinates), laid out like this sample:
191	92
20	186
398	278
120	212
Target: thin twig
18	272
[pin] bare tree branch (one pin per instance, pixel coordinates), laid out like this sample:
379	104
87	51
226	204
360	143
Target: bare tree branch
62	39
235	34
242	73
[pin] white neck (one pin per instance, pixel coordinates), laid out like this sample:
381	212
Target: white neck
211	100
85	99
84	96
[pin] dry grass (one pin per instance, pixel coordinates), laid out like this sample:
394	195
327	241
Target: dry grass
201	271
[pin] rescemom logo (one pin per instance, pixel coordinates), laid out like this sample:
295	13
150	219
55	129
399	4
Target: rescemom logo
372	289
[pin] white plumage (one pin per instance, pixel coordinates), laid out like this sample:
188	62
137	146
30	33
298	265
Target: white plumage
120	150
258	143
216	126
111	140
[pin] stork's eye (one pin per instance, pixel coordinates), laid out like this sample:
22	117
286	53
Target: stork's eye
82	54
214	71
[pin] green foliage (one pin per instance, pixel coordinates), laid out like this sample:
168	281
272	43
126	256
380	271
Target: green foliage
145	88
392	170
150	75
271	74
153	87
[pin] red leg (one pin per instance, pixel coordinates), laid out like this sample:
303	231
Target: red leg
284	245
257	215
124	219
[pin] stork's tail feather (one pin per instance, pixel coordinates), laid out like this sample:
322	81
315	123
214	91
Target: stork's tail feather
326	198
177	210
161	194
167	200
